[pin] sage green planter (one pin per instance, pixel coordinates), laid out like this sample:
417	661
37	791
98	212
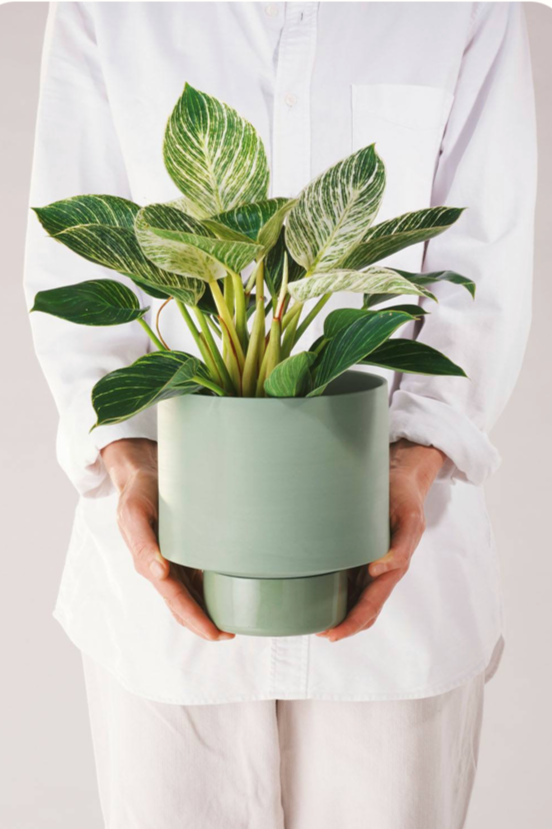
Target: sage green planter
275	499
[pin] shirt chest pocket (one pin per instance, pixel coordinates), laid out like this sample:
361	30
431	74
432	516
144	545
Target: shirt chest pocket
407	123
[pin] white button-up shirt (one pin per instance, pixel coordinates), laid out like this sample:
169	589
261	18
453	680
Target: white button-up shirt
444	89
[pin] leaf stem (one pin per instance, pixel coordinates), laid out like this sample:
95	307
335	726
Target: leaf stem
211	344
153	337
291	314
310	316
256	343
199	340
157	316
202	381
241	316
229	323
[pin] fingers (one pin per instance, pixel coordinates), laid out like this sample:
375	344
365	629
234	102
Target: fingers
136	518
407	529
367	609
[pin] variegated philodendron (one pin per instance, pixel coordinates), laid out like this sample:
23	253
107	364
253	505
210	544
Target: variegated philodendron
192	251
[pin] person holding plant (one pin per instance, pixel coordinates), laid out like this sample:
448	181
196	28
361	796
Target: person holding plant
374	721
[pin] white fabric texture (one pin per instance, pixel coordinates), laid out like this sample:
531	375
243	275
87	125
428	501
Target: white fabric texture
445	91
302	764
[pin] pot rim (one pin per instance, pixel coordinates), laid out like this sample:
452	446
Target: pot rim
374	383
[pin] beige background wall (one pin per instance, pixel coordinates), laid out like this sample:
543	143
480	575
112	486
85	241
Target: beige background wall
46	769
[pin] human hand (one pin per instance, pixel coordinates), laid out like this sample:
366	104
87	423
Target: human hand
413	469
132	466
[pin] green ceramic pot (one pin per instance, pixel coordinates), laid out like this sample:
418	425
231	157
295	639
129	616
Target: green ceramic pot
275	499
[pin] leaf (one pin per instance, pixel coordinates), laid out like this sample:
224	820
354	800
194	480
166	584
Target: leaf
214	156
87	210
440	276
152	378
353	344
412	357
97	302
190	254
373	280
392	236
334	211
342	318
147	289
117	248
257	222
101	229
424	279
274	266
291	377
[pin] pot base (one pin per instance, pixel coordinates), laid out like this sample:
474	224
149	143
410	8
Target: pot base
275	607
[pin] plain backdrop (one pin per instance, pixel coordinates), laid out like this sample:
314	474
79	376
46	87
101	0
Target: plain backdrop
47	778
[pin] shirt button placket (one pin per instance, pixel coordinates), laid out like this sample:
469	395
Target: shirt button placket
291	154
291	171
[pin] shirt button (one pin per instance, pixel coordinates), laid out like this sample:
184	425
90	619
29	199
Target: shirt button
272	10
290	99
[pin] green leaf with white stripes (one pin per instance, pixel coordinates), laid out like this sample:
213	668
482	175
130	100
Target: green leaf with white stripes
152	378
117	248
291	377
373	280
101	229
96	302
412	357
260	222
87	210
335	210
422	279
392	236
353	344
342	318
214	156
191	254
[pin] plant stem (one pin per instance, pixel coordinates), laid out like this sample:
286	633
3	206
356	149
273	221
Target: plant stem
256	343
271	357
323	342
202	381
231	359
289	336
199	340
280	306
153	337
259	391
222	371
214	327
229	295
241	316
274	346
310	316
229	323
290	315
157	320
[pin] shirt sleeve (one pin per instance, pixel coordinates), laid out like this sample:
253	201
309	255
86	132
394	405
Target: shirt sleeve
77	152
487	164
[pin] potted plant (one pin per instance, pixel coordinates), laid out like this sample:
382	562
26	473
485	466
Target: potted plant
273	462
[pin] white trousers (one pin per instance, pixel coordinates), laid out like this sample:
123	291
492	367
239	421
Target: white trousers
299	764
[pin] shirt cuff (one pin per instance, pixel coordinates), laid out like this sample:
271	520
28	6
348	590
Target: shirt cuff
78	449
470	455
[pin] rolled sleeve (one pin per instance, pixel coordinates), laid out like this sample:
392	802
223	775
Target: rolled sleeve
487	164
77	151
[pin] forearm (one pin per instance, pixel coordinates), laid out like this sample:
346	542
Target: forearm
420	463
125	458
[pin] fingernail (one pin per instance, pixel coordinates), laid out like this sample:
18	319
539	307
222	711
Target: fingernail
376	571
226	636
157	569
